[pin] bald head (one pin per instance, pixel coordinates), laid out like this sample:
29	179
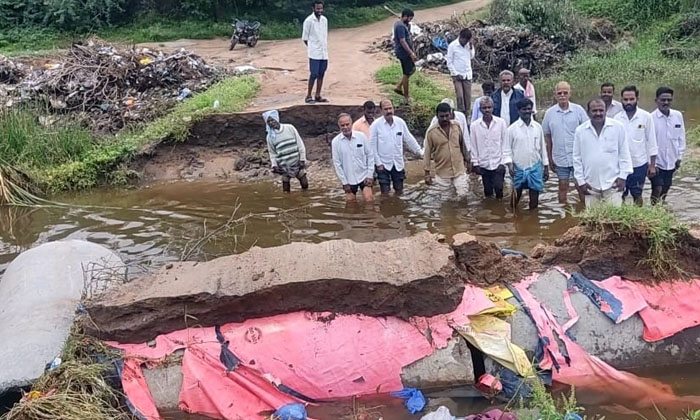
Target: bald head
563	94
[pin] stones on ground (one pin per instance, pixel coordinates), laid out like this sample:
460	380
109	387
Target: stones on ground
412	276
445	368
40	292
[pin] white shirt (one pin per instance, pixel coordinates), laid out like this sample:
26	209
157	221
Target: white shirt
615	108
526	144
459	59
315	34
533	98
600	160
505	106
641	136
489	146
461	119
388	139
353	159
670	136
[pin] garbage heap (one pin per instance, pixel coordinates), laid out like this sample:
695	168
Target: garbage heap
104	86
497	48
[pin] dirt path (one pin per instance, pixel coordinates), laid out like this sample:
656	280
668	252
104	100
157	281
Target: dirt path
350	78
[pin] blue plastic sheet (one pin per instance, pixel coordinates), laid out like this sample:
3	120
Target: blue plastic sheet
293	411
414	399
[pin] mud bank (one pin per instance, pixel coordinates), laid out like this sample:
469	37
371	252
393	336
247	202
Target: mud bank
405	277
232	146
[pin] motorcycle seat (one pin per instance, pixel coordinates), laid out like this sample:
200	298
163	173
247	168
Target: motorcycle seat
254	25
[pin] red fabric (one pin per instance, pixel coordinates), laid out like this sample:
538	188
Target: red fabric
626	292
317	355
673	307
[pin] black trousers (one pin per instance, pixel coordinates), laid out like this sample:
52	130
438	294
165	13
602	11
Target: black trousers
493	181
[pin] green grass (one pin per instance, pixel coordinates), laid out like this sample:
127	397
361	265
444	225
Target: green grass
655	224
425	92
68	157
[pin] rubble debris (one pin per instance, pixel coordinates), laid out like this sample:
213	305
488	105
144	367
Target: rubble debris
497	48
108	87
412	276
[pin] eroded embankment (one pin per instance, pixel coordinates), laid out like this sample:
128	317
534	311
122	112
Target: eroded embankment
233	146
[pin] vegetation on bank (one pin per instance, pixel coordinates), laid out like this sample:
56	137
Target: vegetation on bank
36	25
656	225
66	156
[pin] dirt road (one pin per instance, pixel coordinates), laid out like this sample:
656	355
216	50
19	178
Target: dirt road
350	77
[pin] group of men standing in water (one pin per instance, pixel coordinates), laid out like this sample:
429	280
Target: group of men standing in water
609	149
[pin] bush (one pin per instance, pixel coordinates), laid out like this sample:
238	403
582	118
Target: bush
554	19
68	15
635	14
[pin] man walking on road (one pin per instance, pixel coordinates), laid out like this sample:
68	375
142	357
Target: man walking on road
602	160
489	149
670	135
445	144
527	87
529	154
459	61
388	134
641	135
607	93
315	36
369	110
403	47
559	125
287	151
353	160
505	99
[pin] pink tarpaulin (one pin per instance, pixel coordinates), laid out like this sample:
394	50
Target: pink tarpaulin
318	355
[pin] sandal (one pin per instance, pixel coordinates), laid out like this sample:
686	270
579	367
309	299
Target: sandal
309	100
321	100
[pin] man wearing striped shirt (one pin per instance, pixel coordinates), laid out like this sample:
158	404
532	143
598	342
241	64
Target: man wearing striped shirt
287	151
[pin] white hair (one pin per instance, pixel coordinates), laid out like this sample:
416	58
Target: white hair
505	72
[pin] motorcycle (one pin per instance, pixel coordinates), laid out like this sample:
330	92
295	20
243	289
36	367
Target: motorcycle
245	32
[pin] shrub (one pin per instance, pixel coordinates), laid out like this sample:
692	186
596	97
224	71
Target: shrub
635	14
69	15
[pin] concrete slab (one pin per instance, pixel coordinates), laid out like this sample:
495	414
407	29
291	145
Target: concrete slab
446	368
39	294
620	345
403	277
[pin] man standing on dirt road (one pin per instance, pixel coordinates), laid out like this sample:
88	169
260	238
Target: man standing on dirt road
315	36
602	160
670	136
287	151
403	47
369	110
353	160
607	93
559	125
445	144
489	149
387	136
505	99
641	136
459	61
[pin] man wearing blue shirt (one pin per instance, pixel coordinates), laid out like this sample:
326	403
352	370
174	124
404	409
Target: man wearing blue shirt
403	47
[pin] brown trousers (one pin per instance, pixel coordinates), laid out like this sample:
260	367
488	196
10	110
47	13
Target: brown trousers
463	92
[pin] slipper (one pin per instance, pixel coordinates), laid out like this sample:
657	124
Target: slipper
321	100
309	100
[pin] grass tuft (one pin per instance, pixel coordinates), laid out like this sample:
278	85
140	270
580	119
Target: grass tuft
657	225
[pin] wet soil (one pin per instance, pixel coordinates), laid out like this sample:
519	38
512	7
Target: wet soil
599	255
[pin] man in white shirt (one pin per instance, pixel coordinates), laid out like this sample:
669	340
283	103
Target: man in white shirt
457	116
487	88
607	93
527	87
353	160
528	152
559	125
388	134
641	136
602	158
459	61
670	136
489	149
315	36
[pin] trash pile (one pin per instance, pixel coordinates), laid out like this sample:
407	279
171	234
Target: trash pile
497	48
107	87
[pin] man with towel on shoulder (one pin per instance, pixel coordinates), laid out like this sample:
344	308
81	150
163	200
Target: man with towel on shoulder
287	151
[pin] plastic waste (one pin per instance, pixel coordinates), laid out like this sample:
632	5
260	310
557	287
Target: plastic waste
55	363
572	416
293	411
184	93
506	251
420	63
442	413
216	104
414	399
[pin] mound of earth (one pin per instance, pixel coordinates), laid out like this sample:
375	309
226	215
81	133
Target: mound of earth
599	255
